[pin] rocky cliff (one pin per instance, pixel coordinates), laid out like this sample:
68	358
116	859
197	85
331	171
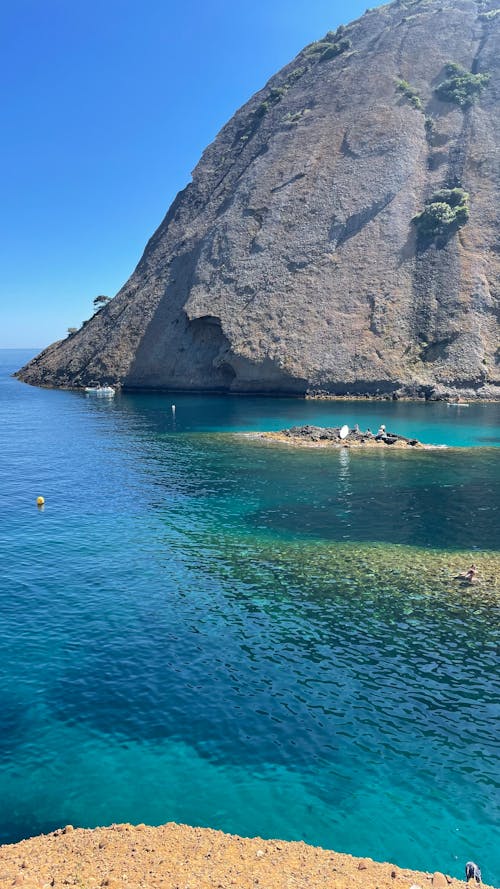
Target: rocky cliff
340	235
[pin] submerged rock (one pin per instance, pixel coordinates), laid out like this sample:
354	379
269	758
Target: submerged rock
339	236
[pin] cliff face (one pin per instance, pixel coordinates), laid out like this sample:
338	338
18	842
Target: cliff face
291	262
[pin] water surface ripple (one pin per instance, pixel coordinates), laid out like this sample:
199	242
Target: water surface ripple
203	629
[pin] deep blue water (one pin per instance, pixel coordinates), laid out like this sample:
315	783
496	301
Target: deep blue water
206	629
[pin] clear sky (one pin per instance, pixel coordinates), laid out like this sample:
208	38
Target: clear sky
107	106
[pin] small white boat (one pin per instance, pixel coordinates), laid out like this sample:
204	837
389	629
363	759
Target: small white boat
104	391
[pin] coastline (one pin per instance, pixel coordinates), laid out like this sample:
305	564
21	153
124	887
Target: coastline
175	856
260	393
456	401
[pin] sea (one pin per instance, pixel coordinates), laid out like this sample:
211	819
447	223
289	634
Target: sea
204	628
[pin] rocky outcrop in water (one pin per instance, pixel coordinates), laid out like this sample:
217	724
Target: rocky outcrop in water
338	437
341	235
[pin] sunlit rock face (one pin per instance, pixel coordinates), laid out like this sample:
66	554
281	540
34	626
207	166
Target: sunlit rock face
296	260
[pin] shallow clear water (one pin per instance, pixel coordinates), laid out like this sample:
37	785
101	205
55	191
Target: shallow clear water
207	629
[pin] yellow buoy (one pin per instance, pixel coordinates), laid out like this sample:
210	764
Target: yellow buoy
40	501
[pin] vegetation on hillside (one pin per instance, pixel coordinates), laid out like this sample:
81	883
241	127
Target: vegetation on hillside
461	87
410	93
444	213
333	44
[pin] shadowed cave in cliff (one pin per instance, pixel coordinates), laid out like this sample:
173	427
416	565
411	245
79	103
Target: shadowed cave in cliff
199	357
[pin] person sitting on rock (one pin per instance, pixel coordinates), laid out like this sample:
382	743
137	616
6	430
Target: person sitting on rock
470	575
472	872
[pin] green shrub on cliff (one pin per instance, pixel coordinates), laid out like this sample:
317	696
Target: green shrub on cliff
326	49
430	127
335	49
262	109
461	87
455	197
434	219
276	94
294	118
444	213
410	93
333	36
295	75
101	301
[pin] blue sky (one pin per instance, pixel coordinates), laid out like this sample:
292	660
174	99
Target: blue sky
107	107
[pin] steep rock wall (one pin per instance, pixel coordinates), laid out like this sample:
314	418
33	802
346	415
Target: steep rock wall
291	263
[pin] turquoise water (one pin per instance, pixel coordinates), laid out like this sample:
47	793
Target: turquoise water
206	629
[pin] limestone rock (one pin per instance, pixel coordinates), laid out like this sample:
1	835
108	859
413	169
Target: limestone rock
290	263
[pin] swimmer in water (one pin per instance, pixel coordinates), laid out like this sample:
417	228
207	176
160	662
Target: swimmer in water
470	576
